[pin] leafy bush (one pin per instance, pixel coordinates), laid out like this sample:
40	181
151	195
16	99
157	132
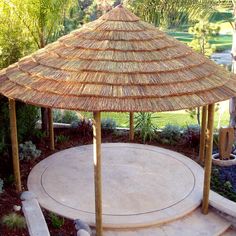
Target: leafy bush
62	138
57	221
4	125
27	116
57	115
108	125
39	134
85	128
1	186
223	181
145	125
28	151
191	135
14	221
171	134
70	116
65	116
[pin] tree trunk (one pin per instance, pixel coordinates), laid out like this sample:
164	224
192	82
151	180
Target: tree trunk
232	103
198	115
44	111
44	119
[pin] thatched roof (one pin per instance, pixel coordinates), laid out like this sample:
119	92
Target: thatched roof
117	63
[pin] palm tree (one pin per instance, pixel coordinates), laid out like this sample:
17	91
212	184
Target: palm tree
159	12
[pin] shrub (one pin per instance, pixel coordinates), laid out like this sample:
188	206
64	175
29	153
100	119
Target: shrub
57	115
191	135
1	186
85	128
39	134
28	151
65	116
223	181
57	221
171	134
69	117
14	221
27	117
62	138
145	125
108	125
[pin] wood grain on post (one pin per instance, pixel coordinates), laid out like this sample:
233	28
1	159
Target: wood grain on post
208	159
131	126
203	134
14	144
51	129
97	171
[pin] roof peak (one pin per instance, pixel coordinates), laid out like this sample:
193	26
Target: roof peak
120	13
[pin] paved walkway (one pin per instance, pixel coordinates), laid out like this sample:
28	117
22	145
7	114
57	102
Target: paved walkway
142	185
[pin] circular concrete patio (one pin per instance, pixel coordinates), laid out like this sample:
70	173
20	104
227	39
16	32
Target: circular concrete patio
142	185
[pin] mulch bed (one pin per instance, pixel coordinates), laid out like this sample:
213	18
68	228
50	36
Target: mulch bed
10	197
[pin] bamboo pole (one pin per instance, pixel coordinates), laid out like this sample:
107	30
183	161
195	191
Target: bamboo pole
131	126
208	159
14	144
97	171
203	134
51	129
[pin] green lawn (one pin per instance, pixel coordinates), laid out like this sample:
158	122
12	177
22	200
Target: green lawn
160	120
221	42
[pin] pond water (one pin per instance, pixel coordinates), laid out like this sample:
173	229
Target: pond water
222	58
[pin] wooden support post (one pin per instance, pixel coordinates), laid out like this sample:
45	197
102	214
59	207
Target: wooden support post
14	144
131	126
97	171
51	129
208	159
203	134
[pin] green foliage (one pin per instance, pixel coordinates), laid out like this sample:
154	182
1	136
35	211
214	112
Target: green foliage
225	189
57	221
202	32
108	125
171	134
28	151
1	186
65	116
4	125
221	16
14	221
62	138
191	135
144	124
43	20
97	8
171	12
39	134
27	117
70	116
14	41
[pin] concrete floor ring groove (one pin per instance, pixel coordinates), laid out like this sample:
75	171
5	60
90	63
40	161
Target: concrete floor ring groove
142	185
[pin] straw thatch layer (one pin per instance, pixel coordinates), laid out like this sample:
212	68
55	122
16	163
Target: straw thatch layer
117	63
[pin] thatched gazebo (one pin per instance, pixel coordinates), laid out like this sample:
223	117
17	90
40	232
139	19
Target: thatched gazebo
118	63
